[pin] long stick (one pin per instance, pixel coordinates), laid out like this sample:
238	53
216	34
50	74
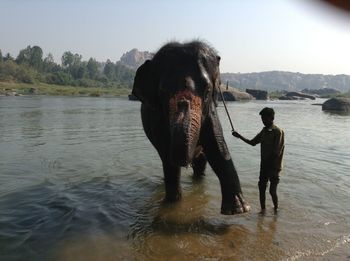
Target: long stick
223	100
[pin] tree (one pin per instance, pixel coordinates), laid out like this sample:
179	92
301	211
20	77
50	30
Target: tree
8	57
32	56
109	70
36	57
49	59
79	71
124	75
49	64
92	67
1	59
67	59
24	56
73	64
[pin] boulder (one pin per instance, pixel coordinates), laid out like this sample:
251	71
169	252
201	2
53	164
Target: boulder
233	94
132	97
32	90
297	96
322	92
258	94
291	98
337	104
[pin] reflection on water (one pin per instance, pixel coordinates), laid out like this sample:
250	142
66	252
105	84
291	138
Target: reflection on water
79	181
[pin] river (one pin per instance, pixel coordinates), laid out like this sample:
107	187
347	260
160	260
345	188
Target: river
80	181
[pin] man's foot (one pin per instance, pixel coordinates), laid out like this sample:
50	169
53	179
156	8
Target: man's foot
275	210
262	211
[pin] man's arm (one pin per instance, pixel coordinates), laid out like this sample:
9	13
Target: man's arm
252	142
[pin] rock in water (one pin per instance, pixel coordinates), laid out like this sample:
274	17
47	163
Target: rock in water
337	104
233	94
258	94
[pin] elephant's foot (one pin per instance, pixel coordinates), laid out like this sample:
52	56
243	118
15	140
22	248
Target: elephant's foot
198	175
238	206
172	197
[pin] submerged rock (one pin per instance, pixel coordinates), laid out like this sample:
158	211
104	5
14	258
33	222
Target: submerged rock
337	104
297	96
322	92
132	97
258	94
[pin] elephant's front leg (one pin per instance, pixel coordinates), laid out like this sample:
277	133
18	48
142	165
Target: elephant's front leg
232	197
172	182
219	158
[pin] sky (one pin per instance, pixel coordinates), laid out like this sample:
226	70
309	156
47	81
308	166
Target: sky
250	36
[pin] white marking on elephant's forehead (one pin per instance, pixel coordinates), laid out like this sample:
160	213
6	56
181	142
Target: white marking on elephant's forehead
204	72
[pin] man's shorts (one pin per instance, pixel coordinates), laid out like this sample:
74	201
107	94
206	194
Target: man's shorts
269	175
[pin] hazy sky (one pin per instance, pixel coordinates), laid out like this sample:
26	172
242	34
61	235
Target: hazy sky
250	35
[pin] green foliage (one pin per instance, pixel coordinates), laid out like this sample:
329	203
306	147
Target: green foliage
52	89
8	57
92	68
10	71
30	67
60	78
347	95
32	56
109	70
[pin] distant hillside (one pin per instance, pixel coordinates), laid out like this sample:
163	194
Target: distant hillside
269	81
134	58
278	80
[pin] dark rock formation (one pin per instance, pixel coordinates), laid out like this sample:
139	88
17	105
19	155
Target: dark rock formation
297	96
233	94
32	90
300	94
258	94
132	97
322	92
337	104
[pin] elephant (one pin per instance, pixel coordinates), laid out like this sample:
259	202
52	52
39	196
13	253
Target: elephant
178	90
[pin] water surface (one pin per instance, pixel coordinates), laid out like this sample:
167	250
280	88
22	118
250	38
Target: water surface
80	181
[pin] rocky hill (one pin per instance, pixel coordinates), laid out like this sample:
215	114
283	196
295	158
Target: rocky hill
279	80
134	58
269	81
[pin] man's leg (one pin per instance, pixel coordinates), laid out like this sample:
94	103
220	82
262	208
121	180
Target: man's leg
273	190
262	189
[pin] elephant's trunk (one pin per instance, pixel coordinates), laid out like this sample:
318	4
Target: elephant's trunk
185	123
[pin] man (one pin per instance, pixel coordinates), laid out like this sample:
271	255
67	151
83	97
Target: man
272	147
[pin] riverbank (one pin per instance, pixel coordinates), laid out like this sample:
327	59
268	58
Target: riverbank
10	88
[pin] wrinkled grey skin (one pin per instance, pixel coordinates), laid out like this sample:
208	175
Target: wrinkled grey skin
177	89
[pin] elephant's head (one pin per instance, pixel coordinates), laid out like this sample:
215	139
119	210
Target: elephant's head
180	81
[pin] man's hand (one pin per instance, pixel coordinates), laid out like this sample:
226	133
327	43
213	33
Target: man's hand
236	134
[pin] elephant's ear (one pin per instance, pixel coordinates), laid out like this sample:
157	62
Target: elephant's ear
145	86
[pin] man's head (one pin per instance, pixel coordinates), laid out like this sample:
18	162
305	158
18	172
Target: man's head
267	116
